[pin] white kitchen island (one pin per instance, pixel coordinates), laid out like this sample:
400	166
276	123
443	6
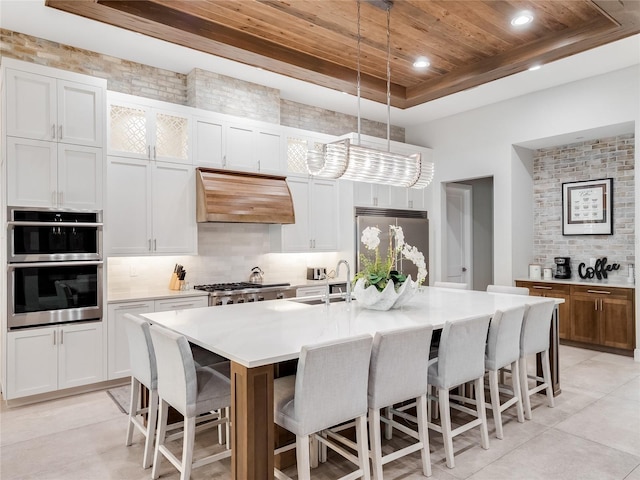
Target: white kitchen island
255	336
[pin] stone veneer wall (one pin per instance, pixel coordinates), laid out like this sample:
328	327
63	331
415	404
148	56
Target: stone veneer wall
611	157
201	89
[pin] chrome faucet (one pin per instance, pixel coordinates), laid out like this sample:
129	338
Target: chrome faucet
325	277
348	297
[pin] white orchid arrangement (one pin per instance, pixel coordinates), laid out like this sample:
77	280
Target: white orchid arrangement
379	273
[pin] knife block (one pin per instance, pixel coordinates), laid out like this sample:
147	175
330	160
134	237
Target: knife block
174	283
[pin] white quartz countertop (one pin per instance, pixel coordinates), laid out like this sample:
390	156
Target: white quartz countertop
115	296
614	282
256	334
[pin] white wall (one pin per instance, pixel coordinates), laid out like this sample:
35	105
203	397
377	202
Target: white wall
480	143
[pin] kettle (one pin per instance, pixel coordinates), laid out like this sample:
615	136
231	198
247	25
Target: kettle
256	275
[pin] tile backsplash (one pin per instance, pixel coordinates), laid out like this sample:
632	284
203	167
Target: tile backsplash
226	253
611	157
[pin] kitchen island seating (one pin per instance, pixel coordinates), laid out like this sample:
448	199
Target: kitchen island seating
534	339
503	349
460	360
143	372
397	373
192	390
329	388
508	289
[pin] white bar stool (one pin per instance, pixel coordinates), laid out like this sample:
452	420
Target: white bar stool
535	339
507	289
460	360
329	388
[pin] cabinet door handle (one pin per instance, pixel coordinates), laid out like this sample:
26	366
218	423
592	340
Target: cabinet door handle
604	292
61	337
540	287
595	302
601	305
149	244
54	337
155	244
224	161
149	152
127	307
60	132
53	131
154	153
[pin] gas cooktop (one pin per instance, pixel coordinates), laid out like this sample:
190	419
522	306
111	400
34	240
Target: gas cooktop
230	287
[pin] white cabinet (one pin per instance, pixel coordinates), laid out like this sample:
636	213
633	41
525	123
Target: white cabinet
382	196
234	145
151	208
118	345
41	360
144	129
315	202
48	174
118	363
42	107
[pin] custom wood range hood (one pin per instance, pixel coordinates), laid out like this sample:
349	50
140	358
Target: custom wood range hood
239	197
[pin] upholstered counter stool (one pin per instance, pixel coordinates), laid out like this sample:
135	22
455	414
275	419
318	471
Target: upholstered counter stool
460	360
192	390
397	373
503	349
329	388
534	339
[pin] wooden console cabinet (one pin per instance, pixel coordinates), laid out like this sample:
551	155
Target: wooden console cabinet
593	316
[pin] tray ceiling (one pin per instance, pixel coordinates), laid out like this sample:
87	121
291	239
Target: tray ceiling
467	42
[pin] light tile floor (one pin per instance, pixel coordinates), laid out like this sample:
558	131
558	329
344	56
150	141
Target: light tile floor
592	433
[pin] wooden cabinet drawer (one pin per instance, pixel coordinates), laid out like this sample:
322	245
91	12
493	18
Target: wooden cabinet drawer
541	287
601	290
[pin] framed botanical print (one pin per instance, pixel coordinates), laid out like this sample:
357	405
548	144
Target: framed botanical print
587	207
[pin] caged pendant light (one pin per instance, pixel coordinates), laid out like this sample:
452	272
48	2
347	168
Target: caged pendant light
342	159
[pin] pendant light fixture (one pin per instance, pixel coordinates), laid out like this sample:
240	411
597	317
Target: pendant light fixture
342	159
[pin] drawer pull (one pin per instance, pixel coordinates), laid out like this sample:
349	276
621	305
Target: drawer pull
132	306
540	287
599	291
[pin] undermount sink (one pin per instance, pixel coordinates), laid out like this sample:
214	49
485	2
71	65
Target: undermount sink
316	301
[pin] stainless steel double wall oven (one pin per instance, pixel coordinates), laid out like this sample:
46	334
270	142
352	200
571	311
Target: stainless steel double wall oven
55	264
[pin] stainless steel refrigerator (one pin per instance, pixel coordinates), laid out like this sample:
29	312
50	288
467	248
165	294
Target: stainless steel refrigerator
415	225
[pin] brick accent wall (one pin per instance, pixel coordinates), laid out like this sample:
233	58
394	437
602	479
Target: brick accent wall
611	157
219	93
307	117
201	89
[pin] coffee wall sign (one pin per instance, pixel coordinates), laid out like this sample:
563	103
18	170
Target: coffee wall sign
587	207
599	270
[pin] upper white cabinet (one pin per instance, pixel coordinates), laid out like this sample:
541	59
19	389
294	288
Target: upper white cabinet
147	129
237	145
315	203
298	143
53	137
49	174
151	208
43	107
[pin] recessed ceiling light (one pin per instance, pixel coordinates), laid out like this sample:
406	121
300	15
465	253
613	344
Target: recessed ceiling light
535	67
522	18
421	62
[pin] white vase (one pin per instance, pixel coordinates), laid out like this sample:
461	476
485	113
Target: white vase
388	298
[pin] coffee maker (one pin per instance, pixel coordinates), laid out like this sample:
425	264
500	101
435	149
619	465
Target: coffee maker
563	268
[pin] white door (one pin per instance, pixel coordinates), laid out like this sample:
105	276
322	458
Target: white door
174	212
127	131
119	364
324	211
459	234
80	358
31	105
129	207
240	148
32	362
31	172
80	114
79	176
295	238
208	149
268	148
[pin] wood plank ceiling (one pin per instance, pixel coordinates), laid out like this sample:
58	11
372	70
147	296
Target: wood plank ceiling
468	42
